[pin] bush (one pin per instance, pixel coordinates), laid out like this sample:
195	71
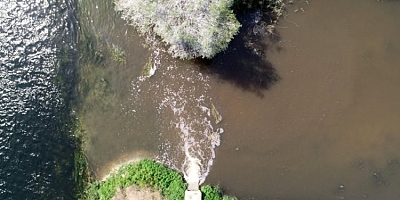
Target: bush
191	28
214	193
146	173
211	193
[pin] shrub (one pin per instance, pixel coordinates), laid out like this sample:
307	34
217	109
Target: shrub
146	173
214	193
211	193
191	28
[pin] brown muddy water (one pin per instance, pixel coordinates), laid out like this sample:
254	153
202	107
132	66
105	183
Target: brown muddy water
330	128
316	117
126	115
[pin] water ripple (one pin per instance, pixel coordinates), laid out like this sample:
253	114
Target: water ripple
31	139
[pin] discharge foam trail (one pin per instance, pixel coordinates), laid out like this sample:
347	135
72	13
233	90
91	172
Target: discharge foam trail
187	133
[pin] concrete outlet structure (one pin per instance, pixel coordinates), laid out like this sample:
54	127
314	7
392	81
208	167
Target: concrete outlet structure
193	195
193	192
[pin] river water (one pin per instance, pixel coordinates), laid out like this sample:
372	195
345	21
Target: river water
330	127
36	50
310	111
128	116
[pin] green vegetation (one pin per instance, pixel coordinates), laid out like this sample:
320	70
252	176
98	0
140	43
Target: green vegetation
214	193
69	160
117	54
148	173
148	70
81	173
93	86
95	76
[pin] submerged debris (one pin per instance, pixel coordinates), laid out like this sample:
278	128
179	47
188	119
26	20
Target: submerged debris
152	64
149	69
117	54
215	114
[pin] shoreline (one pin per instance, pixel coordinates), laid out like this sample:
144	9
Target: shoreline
149	175
113	167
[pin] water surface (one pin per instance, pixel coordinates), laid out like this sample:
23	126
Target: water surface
128	116
310	112
36	51
330	128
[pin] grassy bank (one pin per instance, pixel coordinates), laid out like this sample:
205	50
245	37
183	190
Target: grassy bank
150	174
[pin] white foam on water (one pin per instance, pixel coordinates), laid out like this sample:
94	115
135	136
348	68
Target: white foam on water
192	171
192	122
187	135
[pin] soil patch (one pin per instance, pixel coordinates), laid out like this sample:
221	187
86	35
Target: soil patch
136	193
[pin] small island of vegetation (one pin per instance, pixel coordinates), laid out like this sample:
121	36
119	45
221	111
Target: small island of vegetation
148	174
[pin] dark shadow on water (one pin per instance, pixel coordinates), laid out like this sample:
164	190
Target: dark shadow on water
243	63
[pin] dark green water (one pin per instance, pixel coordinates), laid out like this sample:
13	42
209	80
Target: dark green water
37	42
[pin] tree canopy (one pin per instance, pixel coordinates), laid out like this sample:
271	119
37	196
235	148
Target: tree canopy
191	28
